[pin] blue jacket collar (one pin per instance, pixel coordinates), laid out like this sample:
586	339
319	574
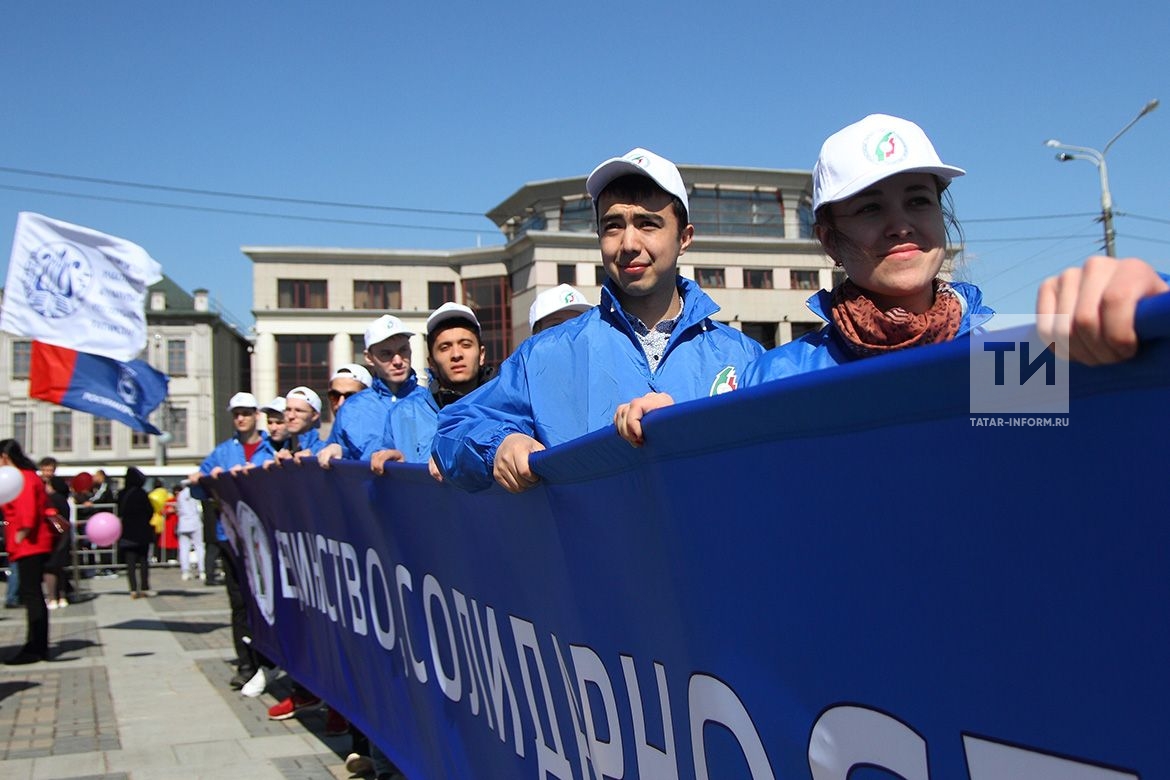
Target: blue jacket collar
697	305
407	387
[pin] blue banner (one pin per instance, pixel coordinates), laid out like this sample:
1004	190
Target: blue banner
839	576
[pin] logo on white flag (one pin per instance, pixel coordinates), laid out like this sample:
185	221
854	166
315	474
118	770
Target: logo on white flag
82	289
56	281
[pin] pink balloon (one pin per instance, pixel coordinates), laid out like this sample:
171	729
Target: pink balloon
103	529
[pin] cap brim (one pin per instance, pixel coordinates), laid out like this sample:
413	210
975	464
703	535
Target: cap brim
610	170
860	184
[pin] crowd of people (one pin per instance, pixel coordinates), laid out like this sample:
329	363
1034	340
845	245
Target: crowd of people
882	214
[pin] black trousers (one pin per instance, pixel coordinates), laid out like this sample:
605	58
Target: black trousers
32	571
239	608
137	557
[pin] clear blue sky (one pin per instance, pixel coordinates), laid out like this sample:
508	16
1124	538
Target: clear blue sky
453	106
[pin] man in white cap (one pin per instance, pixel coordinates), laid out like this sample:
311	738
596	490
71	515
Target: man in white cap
652	331
357	428
552	307
303	418
249	446
274	421
456	358
349	379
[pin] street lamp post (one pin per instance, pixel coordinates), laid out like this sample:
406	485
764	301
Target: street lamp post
1098	159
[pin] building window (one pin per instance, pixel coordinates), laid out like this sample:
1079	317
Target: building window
439	293
377	295
710	278
763	332
599	275
178	427
139	441
491	301
757	278
733	212
103	434
805	219
567	274
801	328
805	280
62	431
302	360
176	357
577	215
302	293
358	345
21	359
20	429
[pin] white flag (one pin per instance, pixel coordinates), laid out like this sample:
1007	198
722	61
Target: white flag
75	287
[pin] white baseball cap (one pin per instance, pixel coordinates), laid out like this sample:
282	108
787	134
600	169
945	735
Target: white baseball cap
450	311
353	371
641	162
305	394
383	328
275	406
873	149
242	401
559	298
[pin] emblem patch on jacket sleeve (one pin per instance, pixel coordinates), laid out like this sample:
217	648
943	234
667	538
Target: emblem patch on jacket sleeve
725	381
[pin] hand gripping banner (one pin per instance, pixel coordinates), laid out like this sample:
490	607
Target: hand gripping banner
837	576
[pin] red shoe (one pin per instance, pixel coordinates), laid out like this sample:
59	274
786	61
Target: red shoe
294	704
335	724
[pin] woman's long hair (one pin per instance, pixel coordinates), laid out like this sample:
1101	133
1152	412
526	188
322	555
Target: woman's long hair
11	448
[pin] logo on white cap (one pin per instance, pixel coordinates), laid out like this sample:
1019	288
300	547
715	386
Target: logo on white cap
885	147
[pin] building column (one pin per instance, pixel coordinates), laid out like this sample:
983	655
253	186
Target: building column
264	368
340	351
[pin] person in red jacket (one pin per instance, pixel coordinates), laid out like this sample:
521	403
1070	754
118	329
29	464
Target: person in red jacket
29	541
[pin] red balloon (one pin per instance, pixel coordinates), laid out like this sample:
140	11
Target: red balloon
82	482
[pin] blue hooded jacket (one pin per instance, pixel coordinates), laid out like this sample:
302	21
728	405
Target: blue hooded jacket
228	453
359	422
411	429
567	381
823	348
310	440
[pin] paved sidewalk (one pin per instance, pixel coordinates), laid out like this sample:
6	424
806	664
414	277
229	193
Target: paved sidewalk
138	689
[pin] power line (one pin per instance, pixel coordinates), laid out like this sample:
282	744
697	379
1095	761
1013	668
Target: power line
237	212
966	221
1023	238
243	195
1139	216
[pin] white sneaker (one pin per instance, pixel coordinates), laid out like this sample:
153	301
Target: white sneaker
51	603
255	686
186	575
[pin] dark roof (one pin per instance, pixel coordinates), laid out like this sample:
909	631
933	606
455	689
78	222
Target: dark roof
178	299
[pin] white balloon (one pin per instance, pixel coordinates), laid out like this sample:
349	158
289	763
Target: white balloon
11	483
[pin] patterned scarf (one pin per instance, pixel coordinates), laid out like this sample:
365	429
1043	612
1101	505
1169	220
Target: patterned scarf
866	330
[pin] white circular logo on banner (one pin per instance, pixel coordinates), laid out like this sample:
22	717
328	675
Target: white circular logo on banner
257	557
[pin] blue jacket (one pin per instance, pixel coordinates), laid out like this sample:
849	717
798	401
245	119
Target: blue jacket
567	381
411	429
230	453
360	420
823	348
311	440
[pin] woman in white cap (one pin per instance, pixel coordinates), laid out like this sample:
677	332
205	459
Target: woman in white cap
880	214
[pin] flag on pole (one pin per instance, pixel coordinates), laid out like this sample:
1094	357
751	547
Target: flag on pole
127	392
75	287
